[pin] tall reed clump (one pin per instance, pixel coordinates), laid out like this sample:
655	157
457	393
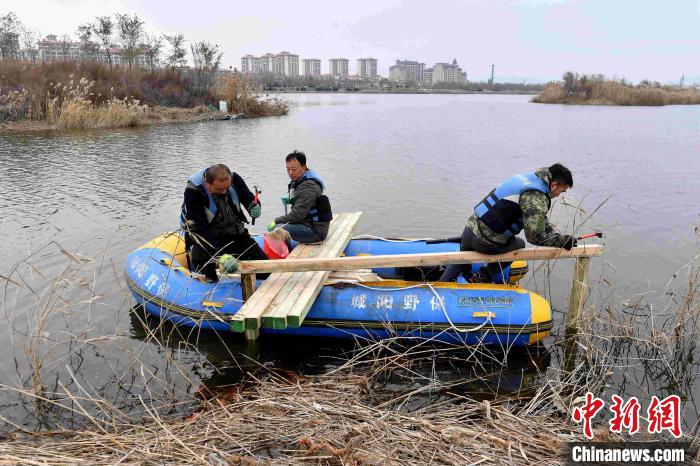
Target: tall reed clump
244	96
71	106
597	90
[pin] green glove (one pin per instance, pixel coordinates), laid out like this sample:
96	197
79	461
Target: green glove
228	263
271	226
254	210
285	200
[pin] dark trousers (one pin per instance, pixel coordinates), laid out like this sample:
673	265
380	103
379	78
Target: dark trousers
243	247
471	242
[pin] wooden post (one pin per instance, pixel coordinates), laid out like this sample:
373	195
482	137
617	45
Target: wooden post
247	289
578	289
573	316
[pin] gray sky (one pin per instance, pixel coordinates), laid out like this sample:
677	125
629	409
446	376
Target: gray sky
540	39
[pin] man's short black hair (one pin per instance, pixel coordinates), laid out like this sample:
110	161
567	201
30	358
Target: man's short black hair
561	174
298	156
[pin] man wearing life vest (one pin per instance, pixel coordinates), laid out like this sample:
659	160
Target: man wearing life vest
520	202
311	213
213	218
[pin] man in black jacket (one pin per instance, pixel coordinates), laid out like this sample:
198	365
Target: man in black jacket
214	220
310	217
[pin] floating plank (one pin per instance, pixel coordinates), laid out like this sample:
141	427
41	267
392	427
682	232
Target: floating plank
414	260
248	318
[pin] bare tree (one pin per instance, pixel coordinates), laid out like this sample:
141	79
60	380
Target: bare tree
10	27
103	27
206	58
178	53
130	33
29	45
151	48
87	37
64	43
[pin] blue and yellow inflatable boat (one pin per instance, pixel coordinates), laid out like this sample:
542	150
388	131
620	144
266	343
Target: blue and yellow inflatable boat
157	274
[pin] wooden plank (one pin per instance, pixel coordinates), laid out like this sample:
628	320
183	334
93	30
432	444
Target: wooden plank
297	310
249	316
276	314
415	260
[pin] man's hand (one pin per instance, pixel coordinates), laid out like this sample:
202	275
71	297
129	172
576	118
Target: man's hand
570	242
271	226
254	210
285	200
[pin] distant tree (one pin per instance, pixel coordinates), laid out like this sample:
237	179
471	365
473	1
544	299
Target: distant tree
29	45
130	33
569	79
103	28
178	53
10	28
207	59
64	43
151	48
87	37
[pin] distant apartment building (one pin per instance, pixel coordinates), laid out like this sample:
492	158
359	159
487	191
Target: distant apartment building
282	64
427	76
311	66
267	63
10	46
251	64
287	64
338	66
53	49
367	67
448	73
407	71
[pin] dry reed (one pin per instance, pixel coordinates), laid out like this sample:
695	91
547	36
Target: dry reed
598	91
244	96
341	417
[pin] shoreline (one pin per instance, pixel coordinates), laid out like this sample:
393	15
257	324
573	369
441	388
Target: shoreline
409	91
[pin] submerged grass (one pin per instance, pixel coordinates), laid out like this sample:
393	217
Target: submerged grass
135	411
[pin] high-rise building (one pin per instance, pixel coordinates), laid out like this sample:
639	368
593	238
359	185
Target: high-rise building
367	67
428	76
410	71
448	73
53	49
251	64
267	63
10	49
287	64
311	66
338	66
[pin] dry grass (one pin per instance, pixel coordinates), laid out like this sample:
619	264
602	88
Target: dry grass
598	91
340	417
244	96
70	106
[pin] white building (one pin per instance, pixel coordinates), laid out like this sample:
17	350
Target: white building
52	49
338	66
407	71
367	67
428	76
448	73
287	64
311	66
251	64
267	63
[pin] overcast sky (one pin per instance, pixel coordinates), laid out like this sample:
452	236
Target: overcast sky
540	39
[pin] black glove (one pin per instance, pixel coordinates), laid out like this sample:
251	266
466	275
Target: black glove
570	242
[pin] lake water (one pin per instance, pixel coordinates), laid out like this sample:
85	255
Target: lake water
414	164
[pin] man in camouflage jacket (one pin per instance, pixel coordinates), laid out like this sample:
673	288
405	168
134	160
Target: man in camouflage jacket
519	203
